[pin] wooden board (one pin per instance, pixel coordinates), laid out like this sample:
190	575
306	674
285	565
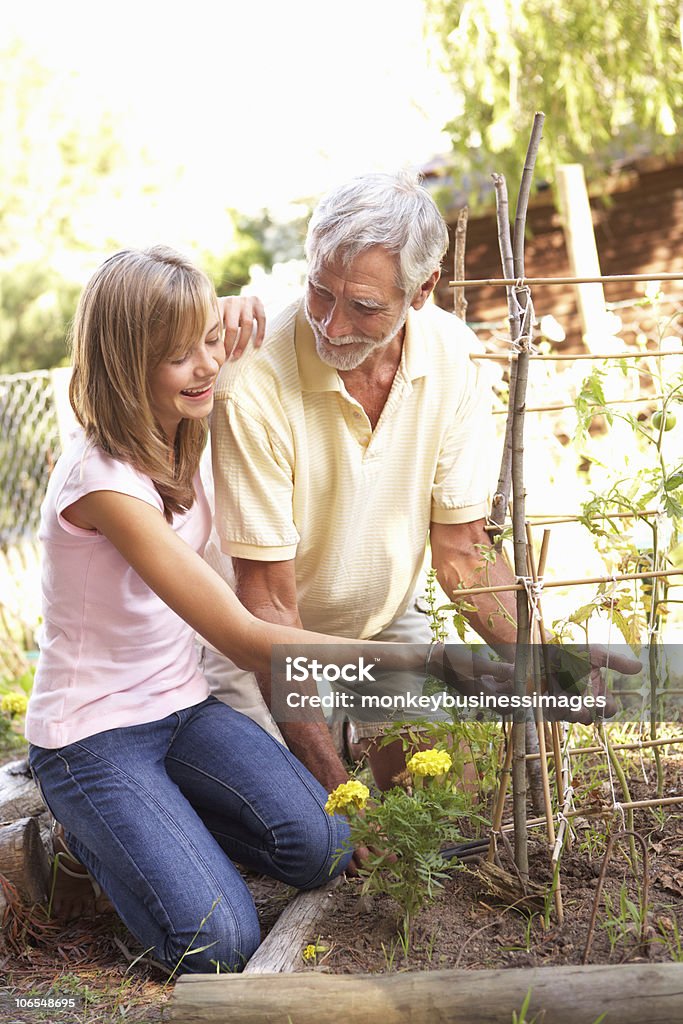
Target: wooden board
294	929
633	993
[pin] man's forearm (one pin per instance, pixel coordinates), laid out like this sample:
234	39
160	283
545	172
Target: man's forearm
309	741
464	558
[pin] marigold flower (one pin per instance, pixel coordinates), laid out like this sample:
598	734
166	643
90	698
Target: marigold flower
349	795
429	762
14	703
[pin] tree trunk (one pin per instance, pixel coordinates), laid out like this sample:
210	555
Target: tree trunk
23	860
19	796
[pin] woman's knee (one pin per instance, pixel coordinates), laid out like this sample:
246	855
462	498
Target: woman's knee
322	852
221	942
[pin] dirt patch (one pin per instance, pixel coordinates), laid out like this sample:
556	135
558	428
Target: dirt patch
468	927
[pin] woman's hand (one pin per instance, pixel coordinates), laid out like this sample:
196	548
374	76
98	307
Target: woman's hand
243	317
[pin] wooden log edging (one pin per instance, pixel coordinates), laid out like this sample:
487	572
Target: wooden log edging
281	949
19	796
627	993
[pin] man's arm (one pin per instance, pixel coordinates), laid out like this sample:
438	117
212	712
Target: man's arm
459	556
268	590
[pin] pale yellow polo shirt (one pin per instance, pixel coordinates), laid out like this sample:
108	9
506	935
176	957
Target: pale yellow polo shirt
299	473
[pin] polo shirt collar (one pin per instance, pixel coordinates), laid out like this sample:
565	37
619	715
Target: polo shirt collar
315	375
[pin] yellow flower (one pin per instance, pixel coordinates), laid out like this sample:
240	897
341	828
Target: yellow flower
349	795
429	762
310	952
14	703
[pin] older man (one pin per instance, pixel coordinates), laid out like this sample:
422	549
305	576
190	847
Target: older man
356	435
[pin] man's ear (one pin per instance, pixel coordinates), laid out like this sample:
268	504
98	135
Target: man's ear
425	290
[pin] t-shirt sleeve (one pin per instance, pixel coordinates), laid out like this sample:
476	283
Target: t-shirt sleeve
467	458
254	485
95	471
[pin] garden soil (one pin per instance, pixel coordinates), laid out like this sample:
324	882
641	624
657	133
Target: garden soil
466	926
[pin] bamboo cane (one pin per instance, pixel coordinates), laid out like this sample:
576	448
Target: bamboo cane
522	297
558	357
601	279
641	745
501	497
604	810
509	587
497	817
561	767
539	713
537	519
547	800
571	405
459	300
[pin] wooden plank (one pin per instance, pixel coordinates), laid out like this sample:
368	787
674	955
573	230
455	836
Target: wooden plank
19	796
281	949
628	994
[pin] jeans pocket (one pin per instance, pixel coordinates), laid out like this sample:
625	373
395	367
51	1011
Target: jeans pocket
42	761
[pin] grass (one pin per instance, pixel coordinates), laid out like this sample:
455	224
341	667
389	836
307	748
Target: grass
86	996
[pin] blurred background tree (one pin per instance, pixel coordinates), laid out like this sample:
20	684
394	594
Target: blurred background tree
608	74
261	240
75	187
56	161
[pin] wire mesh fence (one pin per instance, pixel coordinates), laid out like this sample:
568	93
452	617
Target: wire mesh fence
29	446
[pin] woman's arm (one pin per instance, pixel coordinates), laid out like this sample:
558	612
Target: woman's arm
181	578
188	585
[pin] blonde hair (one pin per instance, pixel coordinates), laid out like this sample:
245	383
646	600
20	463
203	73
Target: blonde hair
139	308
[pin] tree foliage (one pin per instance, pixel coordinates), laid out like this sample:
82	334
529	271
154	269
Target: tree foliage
608	74
56	162
257	240
73	187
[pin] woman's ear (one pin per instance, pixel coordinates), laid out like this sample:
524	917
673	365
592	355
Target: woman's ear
425	290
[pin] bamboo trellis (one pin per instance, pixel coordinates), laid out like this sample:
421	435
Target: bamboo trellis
510	282
518	355
559	357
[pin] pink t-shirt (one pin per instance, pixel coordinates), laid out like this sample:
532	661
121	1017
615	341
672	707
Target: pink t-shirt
112	653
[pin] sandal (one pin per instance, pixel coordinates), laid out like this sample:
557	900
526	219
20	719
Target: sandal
74	892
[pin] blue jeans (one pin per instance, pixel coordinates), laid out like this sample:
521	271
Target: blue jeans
159	812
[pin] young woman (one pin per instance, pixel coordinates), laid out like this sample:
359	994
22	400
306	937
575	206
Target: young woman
159	787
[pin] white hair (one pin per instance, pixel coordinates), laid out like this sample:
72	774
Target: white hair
390	210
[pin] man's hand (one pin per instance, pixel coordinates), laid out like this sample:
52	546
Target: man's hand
578	668
360	854
242	315
571	672
469	674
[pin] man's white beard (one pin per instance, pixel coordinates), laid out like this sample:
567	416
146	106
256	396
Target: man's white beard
349	351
